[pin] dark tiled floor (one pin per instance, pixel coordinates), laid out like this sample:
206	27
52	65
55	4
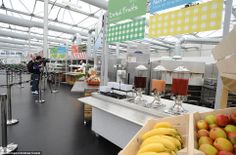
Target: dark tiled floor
55	127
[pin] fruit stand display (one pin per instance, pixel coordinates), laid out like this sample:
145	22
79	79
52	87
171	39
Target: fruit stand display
214	132
167	136
209	133
93	79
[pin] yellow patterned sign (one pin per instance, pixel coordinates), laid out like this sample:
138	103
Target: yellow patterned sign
199	18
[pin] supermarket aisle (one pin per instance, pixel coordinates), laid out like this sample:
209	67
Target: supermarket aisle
56	127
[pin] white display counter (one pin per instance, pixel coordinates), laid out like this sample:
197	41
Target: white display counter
119	120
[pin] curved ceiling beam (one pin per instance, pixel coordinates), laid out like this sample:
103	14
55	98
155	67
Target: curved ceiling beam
26	36
23	42
27	23
17	46
39	17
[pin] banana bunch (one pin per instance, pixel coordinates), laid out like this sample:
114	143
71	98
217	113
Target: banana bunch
163	139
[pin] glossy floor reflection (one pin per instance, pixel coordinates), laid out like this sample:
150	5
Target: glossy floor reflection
55	127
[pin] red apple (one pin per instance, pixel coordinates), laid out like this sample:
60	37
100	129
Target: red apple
201	124
202	132
234	149
225	153
233	117
232	137
217	133
222	120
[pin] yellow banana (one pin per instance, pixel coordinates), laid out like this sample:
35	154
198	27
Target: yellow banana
179	138
163	153
148	153
154	153
174	140
173	153
160	131
157	139
163	125
154	147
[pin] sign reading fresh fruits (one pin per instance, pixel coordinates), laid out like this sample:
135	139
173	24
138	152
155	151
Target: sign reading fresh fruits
126	9
217	134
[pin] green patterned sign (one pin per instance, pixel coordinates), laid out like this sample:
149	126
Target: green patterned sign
127	31
53	53
126	9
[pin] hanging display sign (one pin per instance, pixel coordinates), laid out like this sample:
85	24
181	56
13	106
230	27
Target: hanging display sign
199	18
77	52
58	52
127	31
126	9
74	51
98	42
53	53
158	5
61	52
99	26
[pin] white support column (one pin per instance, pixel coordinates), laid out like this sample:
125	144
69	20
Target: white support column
117	49
228	13
89	47
106	50
105	54
45	30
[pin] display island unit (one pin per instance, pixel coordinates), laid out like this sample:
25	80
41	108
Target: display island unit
118	120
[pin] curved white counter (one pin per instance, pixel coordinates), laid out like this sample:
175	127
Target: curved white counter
119	120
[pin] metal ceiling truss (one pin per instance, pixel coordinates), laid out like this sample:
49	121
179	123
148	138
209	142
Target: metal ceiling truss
39	17
71	9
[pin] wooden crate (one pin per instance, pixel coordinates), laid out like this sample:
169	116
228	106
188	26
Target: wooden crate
193	135
88	108
225	54
181	123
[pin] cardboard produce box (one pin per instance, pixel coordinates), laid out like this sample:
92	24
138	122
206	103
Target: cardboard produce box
181	123
225	54
193	141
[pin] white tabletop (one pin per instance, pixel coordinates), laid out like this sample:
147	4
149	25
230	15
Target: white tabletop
132	112
81	86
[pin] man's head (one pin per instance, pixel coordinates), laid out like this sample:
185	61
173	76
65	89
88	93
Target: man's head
38	58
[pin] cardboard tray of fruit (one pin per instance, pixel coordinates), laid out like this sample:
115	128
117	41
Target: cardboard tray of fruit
165	136
214	132
93	83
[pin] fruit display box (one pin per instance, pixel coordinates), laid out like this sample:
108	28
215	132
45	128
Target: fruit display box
194	118
181	123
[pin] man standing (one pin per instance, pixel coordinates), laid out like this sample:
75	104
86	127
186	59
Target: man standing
30	68
36	75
